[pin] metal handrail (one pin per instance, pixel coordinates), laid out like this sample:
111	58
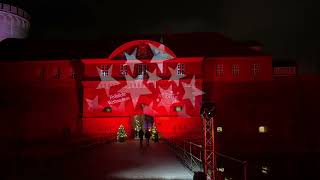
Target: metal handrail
191	154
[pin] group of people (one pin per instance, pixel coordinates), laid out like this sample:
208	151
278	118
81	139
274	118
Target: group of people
147	135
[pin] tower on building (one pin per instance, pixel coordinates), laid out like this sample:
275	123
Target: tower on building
14	21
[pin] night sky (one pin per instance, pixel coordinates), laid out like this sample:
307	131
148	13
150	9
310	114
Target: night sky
287	28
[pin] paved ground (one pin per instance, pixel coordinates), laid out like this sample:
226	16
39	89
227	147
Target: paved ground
126	160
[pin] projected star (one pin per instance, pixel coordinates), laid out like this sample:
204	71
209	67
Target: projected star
167	98
153	78
174	76
132	59
190	91
93	104
159	53
107	81
148	110
135	88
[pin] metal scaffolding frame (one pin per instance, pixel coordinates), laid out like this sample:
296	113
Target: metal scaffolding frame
209	161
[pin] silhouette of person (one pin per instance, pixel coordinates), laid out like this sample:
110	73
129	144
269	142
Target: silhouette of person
141	133
147	136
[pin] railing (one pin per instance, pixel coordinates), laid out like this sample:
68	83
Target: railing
191	155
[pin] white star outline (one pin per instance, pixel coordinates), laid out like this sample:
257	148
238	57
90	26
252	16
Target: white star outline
167	98
191	91
159	53
93	104
136	88
131	59
174	75
106	81
153	78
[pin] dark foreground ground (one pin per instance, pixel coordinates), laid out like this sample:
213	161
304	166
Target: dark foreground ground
130	161
126	160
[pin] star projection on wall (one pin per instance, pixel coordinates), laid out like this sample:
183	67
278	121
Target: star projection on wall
93	104
153	78
159	53
136	88
107	81
148	92
132	59
191	91
175	77
167	98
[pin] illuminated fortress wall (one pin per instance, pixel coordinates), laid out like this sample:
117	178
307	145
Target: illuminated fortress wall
14	22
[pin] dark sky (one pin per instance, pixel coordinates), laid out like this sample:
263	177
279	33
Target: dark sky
287	28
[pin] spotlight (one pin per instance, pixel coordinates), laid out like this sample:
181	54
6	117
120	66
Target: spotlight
178	108
208	109
107	109
219	129
263	129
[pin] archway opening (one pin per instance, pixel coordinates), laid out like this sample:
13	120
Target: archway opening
143	121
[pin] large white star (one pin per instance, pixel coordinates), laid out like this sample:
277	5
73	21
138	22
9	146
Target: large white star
167	98
174	76
132	59
93	104
153	78
190	91
135	88
106	81
159	53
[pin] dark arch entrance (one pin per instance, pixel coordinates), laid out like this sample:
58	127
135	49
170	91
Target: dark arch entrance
141	121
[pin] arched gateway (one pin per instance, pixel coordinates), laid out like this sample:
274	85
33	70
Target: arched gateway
141	121
142	81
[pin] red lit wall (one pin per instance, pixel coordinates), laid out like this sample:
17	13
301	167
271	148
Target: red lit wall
192	67
245	68
179	127
35	107
106	126
170	122
37	104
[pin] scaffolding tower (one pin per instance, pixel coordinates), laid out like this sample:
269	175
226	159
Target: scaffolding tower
209	162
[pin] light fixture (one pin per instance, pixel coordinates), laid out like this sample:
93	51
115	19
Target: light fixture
263	129
107	109
219	129
265	169
178	108
221	169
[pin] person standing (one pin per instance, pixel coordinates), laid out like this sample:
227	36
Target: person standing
147	136
141	133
